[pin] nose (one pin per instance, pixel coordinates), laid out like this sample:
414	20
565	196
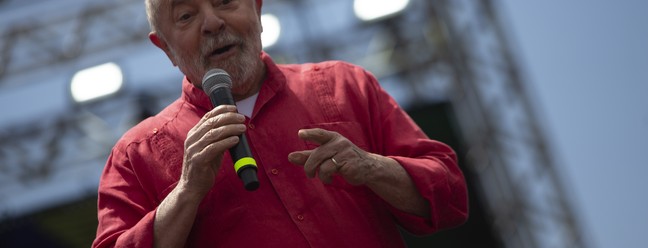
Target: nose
212	23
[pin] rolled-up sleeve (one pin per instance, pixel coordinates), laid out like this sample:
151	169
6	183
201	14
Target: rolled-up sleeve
443	187
125	212
431	165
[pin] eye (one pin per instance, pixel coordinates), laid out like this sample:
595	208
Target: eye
184	17
228	4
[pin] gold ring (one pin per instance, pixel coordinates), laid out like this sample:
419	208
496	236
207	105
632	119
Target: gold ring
335	162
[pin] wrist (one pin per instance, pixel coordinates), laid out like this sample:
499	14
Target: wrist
382	169
186	194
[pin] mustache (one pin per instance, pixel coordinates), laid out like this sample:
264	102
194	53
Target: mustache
215	42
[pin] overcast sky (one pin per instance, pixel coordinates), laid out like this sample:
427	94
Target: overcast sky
588	65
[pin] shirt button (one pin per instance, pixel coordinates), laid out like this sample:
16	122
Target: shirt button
274	171
251	126
155	130
300	217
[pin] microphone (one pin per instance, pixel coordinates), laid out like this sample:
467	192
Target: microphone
217	84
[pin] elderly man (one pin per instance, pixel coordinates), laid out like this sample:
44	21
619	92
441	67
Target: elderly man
339	163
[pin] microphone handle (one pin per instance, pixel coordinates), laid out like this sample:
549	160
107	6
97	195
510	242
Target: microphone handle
244	164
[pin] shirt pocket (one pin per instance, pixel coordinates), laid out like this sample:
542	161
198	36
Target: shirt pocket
353	131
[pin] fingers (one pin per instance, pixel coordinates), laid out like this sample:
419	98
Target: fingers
324	170
327	169
306	159
219	124
351	162
299	158
318	161
330	143
317	135
216	111
317	158
213	134
220	116
209	153
205	144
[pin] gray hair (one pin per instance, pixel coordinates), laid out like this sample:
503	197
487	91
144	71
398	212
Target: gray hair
152	8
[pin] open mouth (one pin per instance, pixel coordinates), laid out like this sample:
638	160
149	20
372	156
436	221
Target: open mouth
222	50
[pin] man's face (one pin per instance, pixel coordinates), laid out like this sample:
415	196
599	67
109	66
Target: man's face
198	35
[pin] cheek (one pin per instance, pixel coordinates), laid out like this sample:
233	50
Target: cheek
186	48
254	34
187	42
185	54
249	25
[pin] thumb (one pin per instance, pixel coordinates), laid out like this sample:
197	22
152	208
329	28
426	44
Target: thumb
299	157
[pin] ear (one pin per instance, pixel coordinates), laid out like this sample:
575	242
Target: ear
160	43
259	3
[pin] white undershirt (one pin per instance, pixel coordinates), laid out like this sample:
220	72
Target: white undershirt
246	105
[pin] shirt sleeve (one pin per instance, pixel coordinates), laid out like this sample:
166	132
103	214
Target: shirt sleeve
125	213
431	165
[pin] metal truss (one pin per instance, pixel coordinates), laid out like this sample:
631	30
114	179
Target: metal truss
34	155
443	50
58	38
508	148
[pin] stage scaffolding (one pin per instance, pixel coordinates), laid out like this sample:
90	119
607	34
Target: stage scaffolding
454	51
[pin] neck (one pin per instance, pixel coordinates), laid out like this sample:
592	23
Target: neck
244	91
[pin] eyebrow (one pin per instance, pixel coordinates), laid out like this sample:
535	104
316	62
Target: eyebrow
178	2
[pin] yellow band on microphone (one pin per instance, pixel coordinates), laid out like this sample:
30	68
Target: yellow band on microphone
243	162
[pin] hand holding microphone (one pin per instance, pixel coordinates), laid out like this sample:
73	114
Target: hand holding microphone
217	84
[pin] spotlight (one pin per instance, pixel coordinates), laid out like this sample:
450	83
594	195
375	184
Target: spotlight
96	82
372	10
271	30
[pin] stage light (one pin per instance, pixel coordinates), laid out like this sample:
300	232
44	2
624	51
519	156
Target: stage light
96	82
371	10
271	30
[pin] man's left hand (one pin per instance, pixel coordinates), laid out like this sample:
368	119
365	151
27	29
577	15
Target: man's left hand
335	154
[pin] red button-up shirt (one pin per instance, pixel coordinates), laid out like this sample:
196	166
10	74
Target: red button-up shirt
288	209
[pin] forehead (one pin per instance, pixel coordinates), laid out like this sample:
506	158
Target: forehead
177	2
162	8
158	5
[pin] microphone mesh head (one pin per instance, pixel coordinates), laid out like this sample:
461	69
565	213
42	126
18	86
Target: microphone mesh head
214	79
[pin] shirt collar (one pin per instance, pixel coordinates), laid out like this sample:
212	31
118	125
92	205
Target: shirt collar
272	84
